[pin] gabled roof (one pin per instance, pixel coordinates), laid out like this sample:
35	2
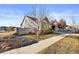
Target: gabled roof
32	18
22	21
46	19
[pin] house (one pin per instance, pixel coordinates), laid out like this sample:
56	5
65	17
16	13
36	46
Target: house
45	23
22	31
29	22
35	24
54	25
2	29
58	25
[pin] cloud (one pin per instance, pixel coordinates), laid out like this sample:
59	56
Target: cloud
65	15
9	13
10	17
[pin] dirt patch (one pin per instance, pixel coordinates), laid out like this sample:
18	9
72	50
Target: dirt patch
16	42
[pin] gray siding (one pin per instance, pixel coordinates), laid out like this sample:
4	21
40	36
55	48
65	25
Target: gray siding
22	31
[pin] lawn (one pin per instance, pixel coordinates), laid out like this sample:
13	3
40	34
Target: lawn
68	45
9	41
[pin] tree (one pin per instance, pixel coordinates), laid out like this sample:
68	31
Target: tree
42	12
73	18
62	24
33	10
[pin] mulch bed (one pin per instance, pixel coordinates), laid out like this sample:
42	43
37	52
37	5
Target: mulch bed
15	42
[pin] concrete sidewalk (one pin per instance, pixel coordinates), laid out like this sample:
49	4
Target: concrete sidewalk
36	48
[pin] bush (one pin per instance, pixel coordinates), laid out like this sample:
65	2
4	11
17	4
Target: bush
47	31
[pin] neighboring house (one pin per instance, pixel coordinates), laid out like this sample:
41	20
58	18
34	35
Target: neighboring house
34	24
58	25
76	27
2	29
54	25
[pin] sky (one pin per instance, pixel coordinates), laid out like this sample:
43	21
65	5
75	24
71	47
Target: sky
13	14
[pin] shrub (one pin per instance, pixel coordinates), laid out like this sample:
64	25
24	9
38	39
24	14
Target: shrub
47	31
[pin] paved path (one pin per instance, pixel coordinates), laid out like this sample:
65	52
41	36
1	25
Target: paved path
36	48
